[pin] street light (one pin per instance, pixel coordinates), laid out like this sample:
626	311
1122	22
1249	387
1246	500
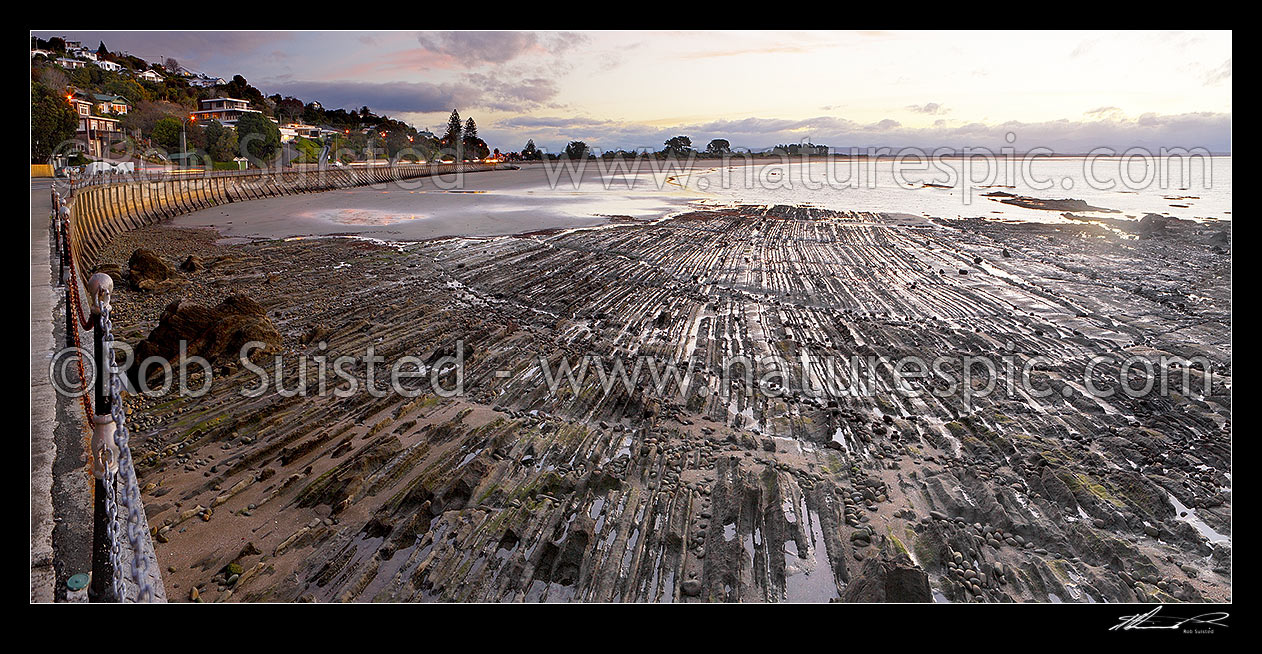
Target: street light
184	137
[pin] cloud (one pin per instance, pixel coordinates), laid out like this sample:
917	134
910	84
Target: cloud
382	97
474	91
931	108
513	93
558	43
553	122
495	47
610	59
780	48
1219	75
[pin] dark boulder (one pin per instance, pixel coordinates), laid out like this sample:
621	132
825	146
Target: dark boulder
192	263
216	334
146	269
1153	224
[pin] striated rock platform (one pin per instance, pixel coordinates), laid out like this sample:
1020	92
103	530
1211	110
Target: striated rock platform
515	492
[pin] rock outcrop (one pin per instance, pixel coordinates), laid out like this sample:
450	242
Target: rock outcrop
216	334
145	269
192	263
893	579
512	491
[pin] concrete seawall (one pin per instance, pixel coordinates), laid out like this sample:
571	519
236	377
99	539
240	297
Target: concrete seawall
101	208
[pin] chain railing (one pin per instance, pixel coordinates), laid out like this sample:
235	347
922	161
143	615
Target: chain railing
125	472
112	465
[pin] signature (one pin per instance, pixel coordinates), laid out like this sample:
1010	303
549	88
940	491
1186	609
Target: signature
1151	620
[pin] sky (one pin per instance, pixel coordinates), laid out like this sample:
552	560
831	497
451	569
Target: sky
1068	91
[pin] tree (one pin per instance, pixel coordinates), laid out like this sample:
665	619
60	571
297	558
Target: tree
53	122
313	113
221	142
530	152
576	150
166	133
452	138
476	149
289	109
239	88
101	50
54	79
678	145
128	88
144	116
259	137
173	66
719	146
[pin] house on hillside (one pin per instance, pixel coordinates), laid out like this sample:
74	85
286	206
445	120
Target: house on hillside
205	82
95	132
111	104
111	66
81	103
150	76
225	110
300	129
71	64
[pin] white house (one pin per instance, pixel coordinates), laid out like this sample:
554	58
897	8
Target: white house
225	110
150	76
71	63
290	131
206	82
108	65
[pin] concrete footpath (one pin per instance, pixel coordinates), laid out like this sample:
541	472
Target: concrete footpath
61	483
44	302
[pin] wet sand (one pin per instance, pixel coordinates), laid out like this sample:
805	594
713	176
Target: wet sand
547	197
484	204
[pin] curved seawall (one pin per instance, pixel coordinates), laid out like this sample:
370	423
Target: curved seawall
103	207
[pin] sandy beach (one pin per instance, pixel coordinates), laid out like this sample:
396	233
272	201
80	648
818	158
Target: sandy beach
532	199
484	204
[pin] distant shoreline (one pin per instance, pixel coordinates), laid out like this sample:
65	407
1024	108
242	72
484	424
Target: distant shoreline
735	159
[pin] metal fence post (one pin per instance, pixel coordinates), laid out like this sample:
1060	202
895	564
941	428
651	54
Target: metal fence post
63	231
104	450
